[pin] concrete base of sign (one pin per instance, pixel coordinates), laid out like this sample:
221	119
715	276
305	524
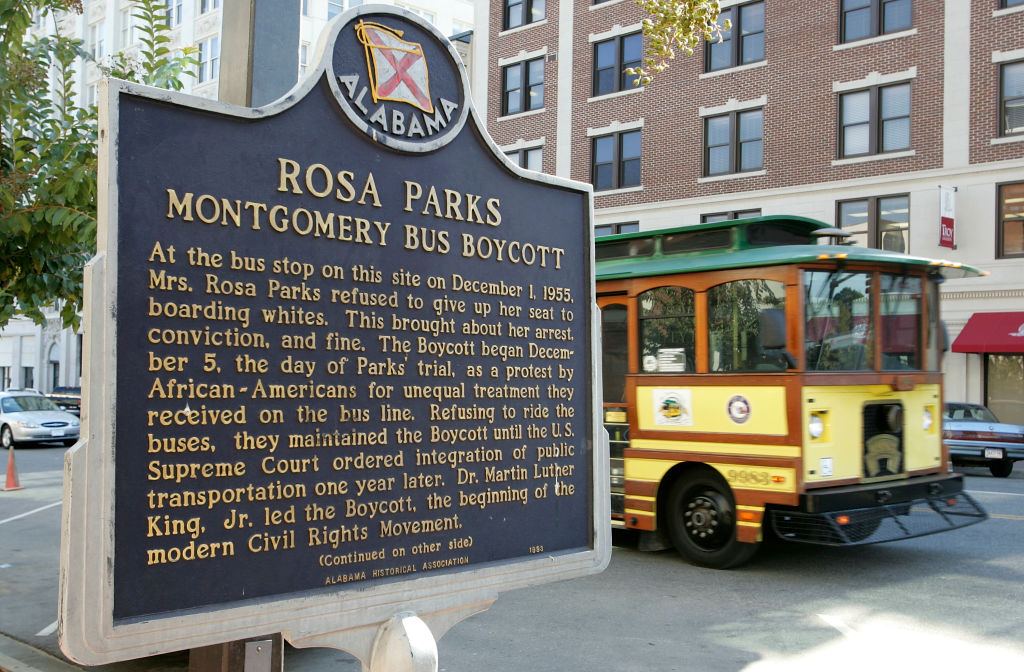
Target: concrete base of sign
405	643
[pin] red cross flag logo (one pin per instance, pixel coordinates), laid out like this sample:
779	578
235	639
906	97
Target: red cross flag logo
397	68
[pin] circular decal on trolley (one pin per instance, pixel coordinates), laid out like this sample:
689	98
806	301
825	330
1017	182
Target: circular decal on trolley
739	409
398	80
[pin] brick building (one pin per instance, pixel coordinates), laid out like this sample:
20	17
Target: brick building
854	112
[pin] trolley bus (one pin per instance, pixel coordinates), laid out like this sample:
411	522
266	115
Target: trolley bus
755	377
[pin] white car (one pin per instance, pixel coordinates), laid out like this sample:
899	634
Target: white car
29	417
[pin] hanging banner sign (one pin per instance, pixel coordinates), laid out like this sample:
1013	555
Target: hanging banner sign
947	215
339	364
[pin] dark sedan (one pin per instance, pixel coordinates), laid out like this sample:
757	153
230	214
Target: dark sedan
68	398
975	437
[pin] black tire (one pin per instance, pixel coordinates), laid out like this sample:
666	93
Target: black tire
701	519
6	437
67	443
1000	468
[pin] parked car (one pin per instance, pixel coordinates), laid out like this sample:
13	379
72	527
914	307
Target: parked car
975	437
27	417
68	398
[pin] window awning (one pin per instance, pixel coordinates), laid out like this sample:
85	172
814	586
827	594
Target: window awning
992	332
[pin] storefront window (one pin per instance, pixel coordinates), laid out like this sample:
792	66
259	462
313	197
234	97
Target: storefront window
1004	384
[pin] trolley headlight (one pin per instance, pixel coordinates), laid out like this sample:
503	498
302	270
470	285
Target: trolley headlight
926	419
816	426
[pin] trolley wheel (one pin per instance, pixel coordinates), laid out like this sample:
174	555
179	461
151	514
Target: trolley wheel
701	521
1001	468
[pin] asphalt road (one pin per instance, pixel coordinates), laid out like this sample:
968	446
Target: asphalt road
947	601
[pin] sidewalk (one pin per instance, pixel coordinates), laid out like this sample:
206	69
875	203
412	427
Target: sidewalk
18	657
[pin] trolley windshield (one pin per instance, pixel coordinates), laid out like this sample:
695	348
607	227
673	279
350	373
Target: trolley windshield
852	315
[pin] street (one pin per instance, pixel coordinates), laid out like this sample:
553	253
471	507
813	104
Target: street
945	601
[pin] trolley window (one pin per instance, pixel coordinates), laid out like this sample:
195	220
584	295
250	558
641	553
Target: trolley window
667	325
900	323
734	325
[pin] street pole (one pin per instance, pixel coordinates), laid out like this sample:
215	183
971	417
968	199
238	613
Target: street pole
259	51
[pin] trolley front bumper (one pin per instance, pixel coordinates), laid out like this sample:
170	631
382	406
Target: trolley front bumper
879	512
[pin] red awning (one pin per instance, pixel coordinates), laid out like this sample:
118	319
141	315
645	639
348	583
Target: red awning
992	332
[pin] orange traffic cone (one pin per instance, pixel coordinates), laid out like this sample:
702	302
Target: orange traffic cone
12	472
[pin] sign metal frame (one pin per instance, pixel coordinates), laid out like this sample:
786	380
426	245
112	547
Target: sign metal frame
343	618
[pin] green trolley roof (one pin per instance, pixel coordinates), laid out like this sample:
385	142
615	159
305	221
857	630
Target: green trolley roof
757	241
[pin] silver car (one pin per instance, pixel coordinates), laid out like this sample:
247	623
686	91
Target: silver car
30	417
975	437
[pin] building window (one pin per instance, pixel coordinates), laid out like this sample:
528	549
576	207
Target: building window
209	59
881	222
523	86
208	6
127	28
733	142
521	12
861	19
92	94
429	16
612	58
742	43
1011	220
1010	3
174	12
28	377
1011	99
616	161
527	158
875	120
303	58
96	48
729	216
5	377
616	229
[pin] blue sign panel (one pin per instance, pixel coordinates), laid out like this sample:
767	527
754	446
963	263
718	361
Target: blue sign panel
352	340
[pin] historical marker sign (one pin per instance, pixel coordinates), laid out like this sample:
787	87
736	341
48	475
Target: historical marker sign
339	363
